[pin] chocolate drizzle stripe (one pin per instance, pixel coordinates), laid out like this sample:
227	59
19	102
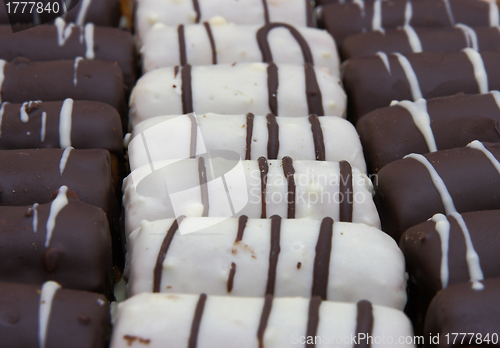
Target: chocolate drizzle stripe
242	224
322	259
202	174
230	279
319	142
187	93
346	192
313	319
194	135
313	92
182	45
272	87
264	169
162	254
196	7
289	171
248	150
273	142
212	42
364	322
176	71
266	11
309	14
264	318
274	253
195	326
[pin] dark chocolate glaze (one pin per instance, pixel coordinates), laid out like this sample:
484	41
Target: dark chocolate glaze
321	269
313	319
242	224
274	253
95	125
194	135
289	171
266	11
272	87
53	81
195	326
317	132
346	191
187	93
432	40
343	20
212	42
41	44
460	308
364	323
273	142
264	169
162	254
264	318
196	7
182	45
388	134
202	173
78	256
406	196
230	279
78	319
370	86
249	125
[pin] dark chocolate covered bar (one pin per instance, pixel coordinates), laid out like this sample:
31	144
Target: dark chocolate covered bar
373	82
414	189
390	133
95	80
65	240
51	317
80	124
343	20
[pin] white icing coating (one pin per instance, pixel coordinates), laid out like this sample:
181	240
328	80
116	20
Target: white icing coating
64	159
410	76
89	41
470	35
477	145
449	12
443	229
422	120
493	14
2	110
385	60
126	140
408	13
496	96
75	78
377	16
413	39
479	70
82	13
35	217
449	205
2	76
55	207
65	121
47	294
43	128
63	31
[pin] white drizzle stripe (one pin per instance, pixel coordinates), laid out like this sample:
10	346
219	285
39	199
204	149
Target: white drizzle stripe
449	12
361	4
64	159
2	110
408	13
494	16
43	129
65	121
35	217
24	115
416	93
89	41
385	60
413	39
496	96
449	206
421	118
57	205
2	76
473	263
47	295
443	229
82	13
75	78
477	145
63	31
470	35
479	70
377	16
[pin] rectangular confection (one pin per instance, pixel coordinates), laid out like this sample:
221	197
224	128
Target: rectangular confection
219	42
52	317
188	320
65	240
